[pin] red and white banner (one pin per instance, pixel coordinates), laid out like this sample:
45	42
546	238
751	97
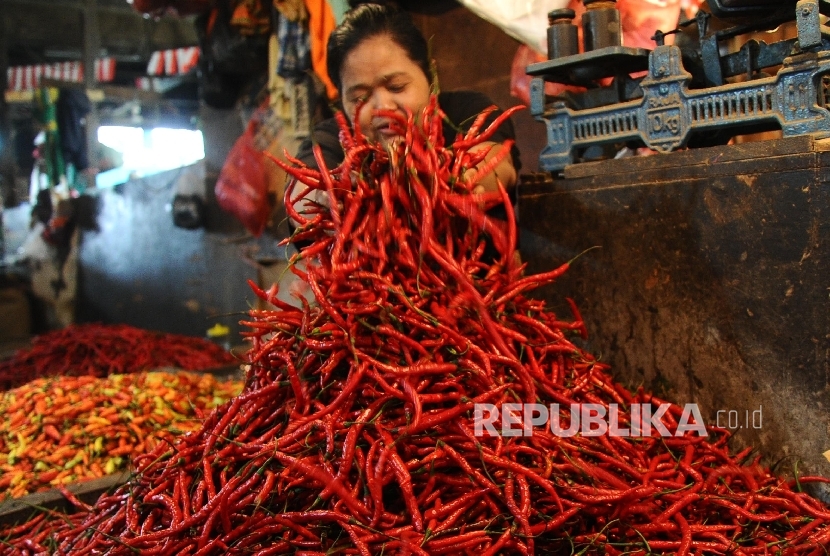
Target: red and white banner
178	61
26	78
105	70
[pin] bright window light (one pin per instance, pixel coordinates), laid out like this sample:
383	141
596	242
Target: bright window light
149	151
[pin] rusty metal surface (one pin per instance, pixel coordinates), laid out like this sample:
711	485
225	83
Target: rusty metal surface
711	281
18	510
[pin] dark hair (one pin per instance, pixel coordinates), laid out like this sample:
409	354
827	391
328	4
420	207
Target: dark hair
356	3
370	20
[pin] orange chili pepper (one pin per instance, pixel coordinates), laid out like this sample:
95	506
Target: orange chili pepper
92	420
52	432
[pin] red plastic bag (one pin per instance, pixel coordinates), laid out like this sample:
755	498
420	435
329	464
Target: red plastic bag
520	80
242	187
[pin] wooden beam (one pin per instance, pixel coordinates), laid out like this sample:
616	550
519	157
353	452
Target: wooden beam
8	190
98	94
39	32
18	510
12	97
92	41
92	47
75	5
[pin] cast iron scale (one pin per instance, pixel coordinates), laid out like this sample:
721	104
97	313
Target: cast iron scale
686	98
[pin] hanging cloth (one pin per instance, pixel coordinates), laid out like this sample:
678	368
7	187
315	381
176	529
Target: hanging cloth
294	10
294	58
51	149
72	108
251	17
320	24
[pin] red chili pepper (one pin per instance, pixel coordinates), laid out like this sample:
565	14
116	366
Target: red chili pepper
355	433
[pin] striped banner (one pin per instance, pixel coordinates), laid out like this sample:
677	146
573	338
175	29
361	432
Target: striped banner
178	61
27	78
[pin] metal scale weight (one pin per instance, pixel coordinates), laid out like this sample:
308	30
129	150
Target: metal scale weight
711	283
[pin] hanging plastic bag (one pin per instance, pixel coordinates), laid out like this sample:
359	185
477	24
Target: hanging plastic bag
242	188
526	21
642	18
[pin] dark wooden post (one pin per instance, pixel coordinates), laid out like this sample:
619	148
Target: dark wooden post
8	191
92	50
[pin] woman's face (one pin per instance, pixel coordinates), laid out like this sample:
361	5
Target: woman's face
379	72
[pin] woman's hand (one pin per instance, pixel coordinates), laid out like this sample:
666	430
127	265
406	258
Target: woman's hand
311	203
504	171
306	205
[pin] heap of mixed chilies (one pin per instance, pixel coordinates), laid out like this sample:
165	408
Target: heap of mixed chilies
355	432
67	429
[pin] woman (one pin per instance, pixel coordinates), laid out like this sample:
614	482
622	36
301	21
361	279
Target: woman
378	57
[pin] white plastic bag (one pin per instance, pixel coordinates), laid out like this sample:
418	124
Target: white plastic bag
524	20
527	20
35	248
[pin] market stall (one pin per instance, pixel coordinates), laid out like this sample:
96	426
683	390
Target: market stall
462	370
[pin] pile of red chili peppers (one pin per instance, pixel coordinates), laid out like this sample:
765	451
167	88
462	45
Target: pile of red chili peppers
104	349
355	432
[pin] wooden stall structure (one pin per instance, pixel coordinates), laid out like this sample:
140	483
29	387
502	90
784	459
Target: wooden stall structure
711	284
